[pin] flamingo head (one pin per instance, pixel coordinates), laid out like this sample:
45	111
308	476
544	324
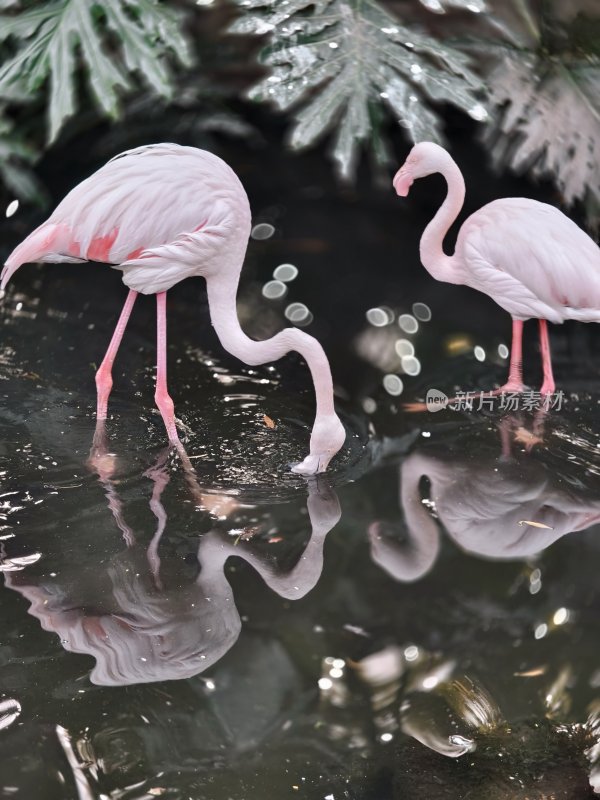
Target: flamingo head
424	159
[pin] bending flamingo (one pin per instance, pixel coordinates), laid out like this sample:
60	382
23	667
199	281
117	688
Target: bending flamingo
162	213
527	256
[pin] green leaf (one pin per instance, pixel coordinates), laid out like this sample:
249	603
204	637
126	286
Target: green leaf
439	6
338	61
16	159
546	108
548	122
53	38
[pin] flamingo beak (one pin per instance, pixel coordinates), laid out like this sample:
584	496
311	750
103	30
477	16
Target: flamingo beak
403	180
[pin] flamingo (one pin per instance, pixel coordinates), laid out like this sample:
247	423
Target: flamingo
139	631
161	213
511	510
526	255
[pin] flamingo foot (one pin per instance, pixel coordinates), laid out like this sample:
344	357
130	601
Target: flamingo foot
167	411
101	460
529	439
548	387
311	465
510	387
104	385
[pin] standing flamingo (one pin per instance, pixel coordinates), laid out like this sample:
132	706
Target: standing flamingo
162	213
528	256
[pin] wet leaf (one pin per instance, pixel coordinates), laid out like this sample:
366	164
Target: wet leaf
341	62
268	422
440	6
53	38
531	673
547	106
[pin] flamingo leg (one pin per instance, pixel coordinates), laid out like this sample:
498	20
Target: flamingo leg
103	463
505	427
514	384
161	396
160	477
104	380
548	385
515	372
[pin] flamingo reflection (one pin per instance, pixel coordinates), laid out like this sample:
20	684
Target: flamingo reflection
137	630
492	506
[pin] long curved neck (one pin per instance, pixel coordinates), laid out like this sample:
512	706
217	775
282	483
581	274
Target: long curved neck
222	294
222	302
436	262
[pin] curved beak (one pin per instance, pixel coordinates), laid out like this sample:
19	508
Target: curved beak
403	180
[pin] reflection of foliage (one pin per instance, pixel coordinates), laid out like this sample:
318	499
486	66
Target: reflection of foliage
341	60
47	38
546	90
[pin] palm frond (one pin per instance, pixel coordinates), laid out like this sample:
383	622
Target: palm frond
340	63
115	41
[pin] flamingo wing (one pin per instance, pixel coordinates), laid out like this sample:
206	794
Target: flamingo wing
165	205
533	260
157	209
196	252
147	197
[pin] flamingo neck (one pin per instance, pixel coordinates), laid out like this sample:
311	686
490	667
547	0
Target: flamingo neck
423	531
436	262
222	302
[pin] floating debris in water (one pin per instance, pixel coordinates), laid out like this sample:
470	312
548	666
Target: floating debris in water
535	524
356	630
269	422
531	673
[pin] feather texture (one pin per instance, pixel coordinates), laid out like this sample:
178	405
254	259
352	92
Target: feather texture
533	260
161	213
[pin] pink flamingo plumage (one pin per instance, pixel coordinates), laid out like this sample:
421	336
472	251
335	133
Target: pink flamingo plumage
528	256
162	213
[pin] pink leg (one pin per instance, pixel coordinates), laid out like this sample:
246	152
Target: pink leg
514	384
104	374
548	386
161	396
515	373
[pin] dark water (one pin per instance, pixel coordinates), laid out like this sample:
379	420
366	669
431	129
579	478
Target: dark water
422	622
